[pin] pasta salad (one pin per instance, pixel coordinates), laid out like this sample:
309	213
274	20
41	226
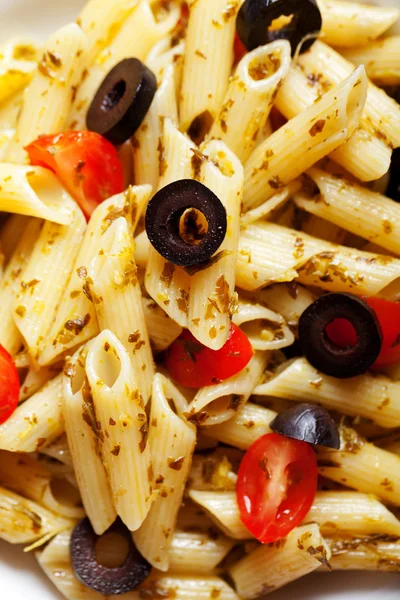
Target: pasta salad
200	296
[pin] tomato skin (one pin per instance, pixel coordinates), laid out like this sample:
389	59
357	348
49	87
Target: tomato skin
342	332
239	49
193	365
87	165
276	486
9	385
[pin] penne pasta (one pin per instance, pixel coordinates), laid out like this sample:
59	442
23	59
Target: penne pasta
116	291
122	428
196	552
381	60
223	509
84	442
217	403
35	380
367	154
250	96
35	423
352	513
148	152
172	440
373	396
35	192
26	476
124	45
42	286
269	253
163	331
25	234
362	466
209	321
47	99
208	63
24	521
75	321
265	329
274	565
379	553
349	24
265	210
305	139
244	428
18	62
353	207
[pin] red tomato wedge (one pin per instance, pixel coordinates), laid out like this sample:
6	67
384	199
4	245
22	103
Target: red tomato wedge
239	49
342	333
9	385
276	486
87	165
193	365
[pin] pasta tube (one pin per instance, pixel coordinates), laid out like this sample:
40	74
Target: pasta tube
84	442
223	509
375	397
208	63
35	423
353	207
218	403
117	292
172	440
250	96
367	154
42	286
47	99
363	466
349	24
209	320
374	553
76	321
163	331
265	329
274	565
381	60
305	139
122	427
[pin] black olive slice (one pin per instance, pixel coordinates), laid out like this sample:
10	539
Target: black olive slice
308	423
107	581
256	16
323	353
186	222
122	101
393	190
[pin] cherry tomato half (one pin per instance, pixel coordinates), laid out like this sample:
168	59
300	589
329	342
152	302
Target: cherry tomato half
276	486
239	49
342	333
87	165
9	385
193	365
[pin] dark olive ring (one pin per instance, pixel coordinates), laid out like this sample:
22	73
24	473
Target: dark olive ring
107	581
323	353
163	215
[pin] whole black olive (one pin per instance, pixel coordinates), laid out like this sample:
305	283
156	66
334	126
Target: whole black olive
308	423
107	581
256	16
122	101
186	222
323	353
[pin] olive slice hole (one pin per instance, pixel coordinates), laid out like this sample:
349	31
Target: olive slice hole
193	226
342	333
112	550
281	22
112	99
